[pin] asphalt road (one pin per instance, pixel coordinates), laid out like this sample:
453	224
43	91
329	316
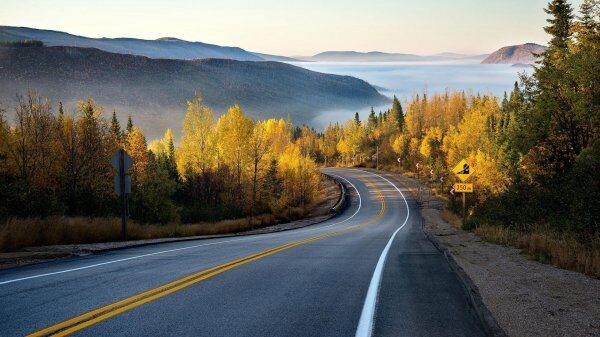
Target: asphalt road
368	271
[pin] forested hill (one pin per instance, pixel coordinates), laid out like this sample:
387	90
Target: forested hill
155	90
166	47
519	54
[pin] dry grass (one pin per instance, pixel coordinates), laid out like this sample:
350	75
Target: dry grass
452	218
19	233
561	250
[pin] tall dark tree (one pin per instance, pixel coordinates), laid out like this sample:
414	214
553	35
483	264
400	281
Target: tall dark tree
115	126
559	24
372	121
356	118
397	113
129	124
590	10
61	112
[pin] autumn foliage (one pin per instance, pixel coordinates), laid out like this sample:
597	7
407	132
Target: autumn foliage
56	164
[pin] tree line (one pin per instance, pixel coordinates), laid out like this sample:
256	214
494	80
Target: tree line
58	164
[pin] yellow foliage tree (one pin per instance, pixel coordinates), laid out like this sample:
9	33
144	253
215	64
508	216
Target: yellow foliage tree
197	149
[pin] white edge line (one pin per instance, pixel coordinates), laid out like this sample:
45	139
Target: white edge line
367	316
190	247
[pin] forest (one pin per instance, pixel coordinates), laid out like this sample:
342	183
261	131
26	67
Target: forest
225	168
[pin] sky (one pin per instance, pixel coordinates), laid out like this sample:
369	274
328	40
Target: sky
298	27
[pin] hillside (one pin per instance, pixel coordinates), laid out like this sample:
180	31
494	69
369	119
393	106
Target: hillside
167	47
353	56
518	54
155	90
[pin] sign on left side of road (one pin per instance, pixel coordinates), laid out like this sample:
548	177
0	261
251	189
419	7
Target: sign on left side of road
127	161
117	181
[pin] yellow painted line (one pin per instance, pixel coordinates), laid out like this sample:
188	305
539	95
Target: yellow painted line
80	322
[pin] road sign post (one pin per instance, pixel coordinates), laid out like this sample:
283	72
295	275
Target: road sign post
121	162
377	165
463	171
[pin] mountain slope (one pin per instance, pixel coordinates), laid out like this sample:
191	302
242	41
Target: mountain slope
269	57
155	90
518	54
168	48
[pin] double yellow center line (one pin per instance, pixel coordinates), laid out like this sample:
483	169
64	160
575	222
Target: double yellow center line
80	322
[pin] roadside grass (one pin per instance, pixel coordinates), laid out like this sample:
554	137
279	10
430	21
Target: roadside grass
562	250
16	234
19	233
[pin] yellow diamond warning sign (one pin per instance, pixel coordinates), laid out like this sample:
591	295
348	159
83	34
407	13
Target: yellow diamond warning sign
463	170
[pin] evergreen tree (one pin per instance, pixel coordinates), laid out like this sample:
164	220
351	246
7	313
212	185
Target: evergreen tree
397	113
61	112
588	20
356	118
115	127
560	24
372	121
504	105
129	124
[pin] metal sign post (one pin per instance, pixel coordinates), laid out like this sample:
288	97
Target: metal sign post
121	162
377	165
463	171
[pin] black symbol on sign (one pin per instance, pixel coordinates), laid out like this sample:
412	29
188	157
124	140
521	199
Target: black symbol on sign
465	169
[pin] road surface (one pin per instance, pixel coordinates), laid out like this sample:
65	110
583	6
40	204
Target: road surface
368	272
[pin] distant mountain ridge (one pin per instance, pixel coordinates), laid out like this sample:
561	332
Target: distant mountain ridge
154	91
165	47
377	56
517	54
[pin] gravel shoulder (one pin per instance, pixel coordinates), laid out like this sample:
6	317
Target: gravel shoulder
526	298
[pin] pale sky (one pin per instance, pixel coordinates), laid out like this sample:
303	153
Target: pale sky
300	27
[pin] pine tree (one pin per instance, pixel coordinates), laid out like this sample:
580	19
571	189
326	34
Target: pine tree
560	24
504	105
129	124
61	112
588	20
356	118
115	127
372	121
397	113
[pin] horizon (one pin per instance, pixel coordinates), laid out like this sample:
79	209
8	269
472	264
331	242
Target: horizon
284	34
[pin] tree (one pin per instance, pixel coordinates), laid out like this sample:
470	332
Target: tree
129	127
61	112
115	127
356	118
234	130
559	24
397	113
198	149
138	150
259	147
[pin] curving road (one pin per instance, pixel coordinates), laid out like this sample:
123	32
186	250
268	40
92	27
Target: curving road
368	271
